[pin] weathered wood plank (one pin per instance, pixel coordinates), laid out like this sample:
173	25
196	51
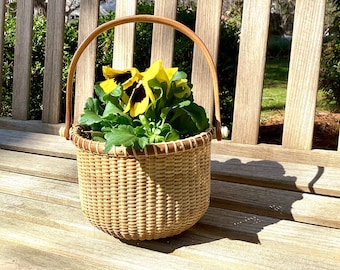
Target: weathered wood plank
124	36
252	256
316	157
44	144
250	71
38	165
321	210
209	31
112	254
282	204
38	188
85	73
163	37
279	175
303	75
236	236
30	126
284	175
22	59
53	61
300	238
18	256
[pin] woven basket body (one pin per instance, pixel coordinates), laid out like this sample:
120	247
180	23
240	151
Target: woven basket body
142	195
157	193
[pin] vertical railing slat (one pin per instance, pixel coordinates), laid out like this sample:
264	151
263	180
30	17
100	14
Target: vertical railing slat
54	51
22	60
2	41
85	73
124	36
163	37
303	74
208	29
250	73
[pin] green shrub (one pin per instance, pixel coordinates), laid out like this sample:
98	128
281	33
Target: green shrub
8	65
330	62
37	70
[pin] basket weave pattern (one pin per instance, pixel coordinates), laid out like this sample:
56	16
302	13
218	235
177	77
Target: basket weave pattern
158	192
143	197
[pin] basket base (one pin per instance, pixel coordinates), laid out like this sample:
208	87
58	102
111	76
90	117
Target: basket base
145	197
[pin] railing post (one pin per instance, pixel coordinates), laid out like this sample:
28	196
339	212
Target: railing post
89	12
22	60
124	36
207	27
163	37
54	51
250	71
303	78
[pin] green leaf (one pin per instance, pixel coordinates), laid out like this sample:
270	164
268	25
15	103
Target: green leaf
190	120
99	91
89	118
118	92
92	104
172	135
121	136
164	112
110	109
179	75
142	142
184	103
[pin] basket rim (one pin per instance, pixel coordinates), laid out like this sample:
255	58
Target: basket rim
153	149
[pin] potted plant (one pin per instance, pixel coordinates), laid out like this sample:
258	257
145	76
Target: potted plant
143	146
133	108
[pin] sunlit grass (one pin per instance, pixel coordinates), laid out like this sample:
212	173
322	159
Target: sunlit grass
275	88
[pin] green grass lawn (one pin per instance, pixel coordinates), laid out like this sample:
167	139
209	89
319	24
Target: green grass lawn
275	87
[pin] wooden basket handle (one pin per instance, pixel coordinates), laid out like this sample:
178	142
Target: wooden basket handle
148	19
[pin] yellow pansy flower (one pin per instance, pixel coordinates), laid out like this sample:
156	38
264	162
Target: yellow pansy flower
139	99
116	77
171	72
157	72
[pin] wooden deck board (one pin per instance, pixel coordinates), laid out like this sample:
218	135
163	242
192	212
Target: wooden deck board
262	216
207	244
44	189
282	175
283	204
304	207
39	165
16	256
114	254
38	143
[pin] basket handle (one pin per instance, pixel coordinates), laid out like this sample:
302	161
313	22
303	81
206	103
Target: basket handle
148	19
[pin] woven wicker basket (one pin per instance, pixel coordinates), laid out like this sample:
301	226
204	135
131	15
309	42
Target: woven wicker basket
142	195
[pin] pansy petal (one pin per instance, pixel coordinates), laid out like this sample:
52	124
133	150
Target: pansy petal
171	72
108	86
139	107
110	73
149	91
156	71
